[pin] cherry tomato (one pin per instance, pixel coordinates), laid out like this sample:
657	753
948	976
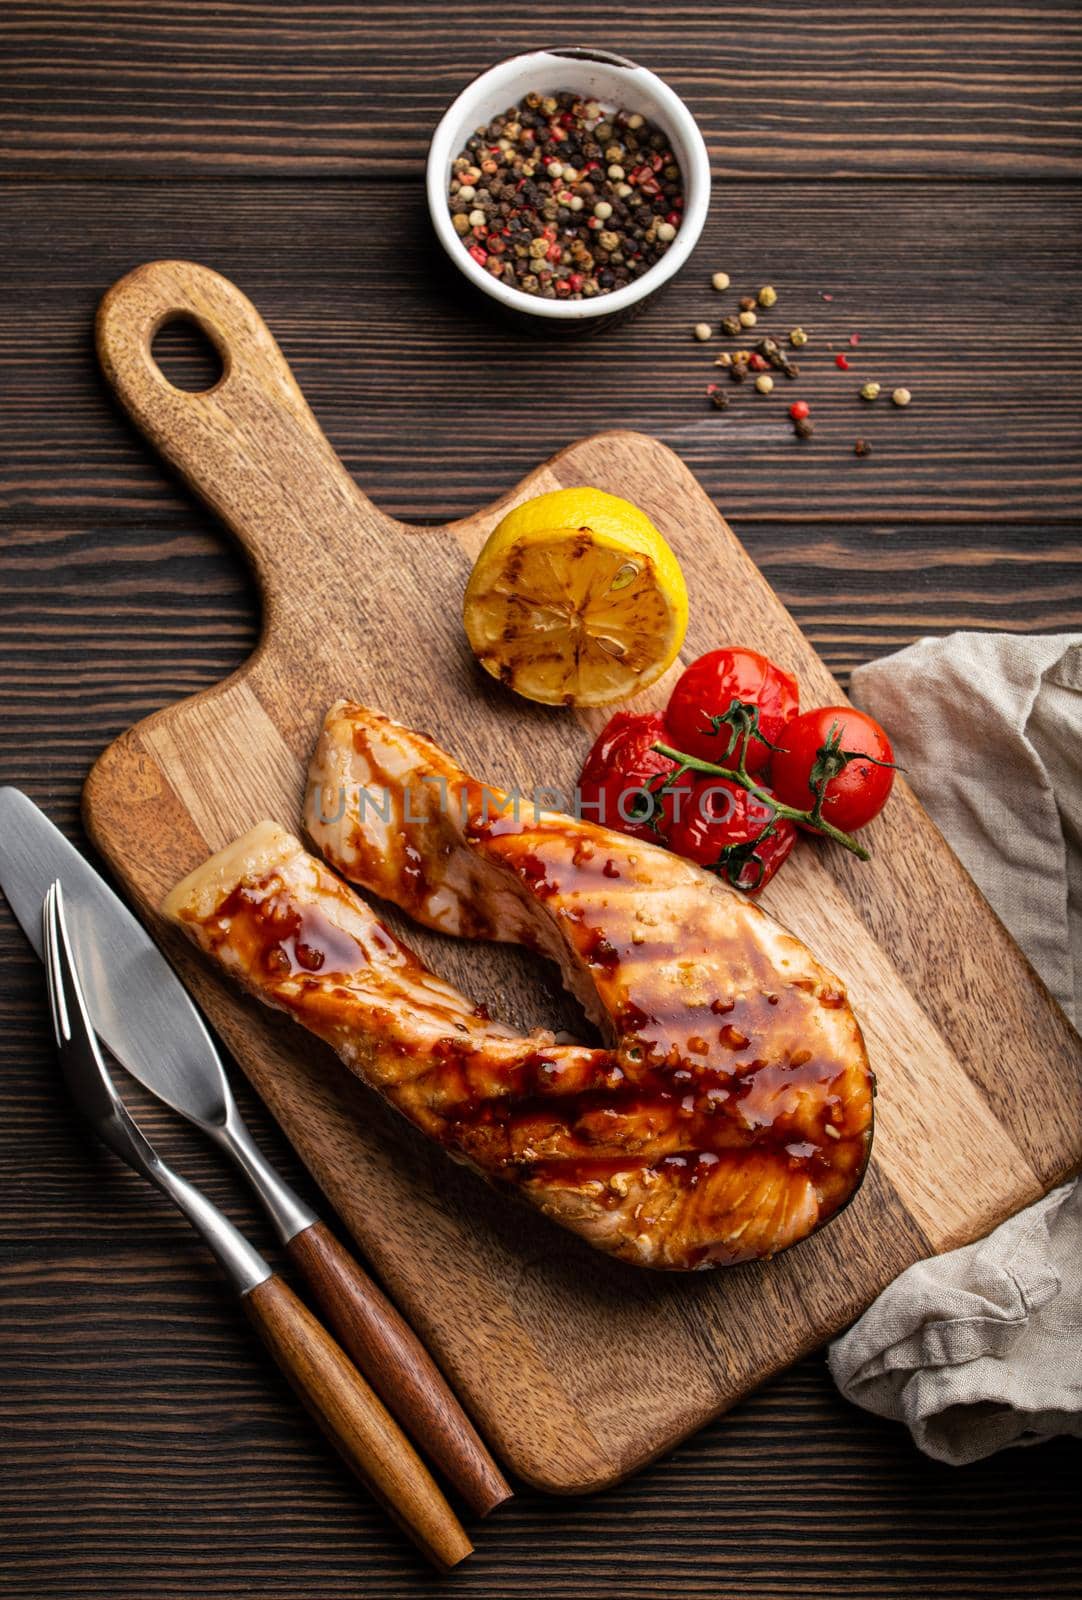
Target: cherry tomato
717	824
708	689
846	747
621	773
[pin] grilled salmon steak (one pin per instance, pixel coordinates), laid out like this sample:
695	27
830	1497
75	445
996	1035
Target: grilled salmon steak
728	1112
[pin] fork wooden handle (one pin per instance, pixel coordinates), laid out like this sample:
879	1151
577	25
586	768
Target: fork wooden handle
356	1422
398	1367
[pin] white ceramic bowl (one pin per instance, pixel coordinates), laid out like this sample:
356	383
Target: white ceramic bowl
616	83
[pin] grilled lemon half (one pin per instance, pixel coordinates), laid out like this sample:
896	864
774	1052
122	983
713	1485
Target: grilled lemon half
576	600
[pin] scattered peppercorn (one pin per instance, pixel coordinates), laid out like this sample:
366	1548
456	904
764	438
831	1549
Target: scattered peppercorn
701	331
720	281
724	359
771	351
803	428
764	383
768	296
731	327
799	410
719	399
748	319
758	363
748	303
738	371
842	362
870	391
798	338
854	339
862	448
901	397
561	200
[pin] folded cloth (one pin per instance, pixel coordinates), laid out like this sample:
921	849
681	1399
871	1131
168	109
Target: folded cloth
982	1347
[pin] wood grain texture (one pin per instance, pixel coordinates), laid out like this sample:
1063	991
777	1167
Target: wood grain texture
140	1473
197	86
148	1447
968	294
577	1369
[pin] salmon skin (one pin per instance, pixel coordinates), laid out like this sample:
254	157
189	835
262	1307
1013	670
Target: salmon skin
728	1113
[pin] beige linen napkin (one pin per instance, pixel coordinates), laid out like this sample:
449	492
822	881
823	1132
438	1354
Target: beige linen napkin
982	1348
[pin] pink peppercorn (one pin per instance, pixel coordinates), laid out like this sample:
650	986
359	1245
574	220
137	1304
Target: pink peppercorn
842	362
799	410
479	255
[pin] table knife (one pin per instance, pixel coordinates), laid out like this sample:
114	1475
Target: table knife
142	1012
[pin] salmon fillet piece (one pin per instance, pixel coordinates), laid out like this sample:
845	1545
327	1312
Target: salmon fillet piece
730	1113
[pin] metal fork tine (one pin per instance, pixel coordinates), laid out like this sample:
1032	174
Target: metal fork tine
53	974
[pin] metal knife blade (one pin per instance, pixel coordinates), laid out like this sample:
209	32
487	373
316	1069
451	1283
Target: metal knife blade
136	1002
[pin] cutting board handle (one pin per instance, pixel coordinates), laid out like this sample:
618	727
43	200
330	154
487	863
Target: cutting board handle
249	446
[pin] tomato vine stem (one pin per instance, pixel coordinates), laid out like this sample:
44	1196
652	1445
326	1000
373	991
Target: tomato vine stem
745	722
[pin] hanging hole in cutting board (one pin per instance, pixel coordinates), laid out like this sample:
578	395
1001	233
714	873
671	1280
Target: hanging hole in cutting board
186	357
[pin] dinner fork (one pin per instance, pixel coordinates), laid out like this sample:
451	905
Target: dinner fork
350	1414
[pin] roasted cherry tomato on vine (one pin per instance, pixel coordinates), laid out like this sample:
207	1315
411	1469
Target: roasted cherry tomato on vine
718	824
850	751
619	768
710	687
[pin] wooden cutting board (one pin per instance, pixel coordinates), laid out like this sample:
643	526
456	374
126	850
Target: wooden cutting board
577	1368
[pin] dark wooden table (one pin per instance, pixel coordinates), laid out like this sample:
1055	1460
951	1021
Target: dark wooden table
917	163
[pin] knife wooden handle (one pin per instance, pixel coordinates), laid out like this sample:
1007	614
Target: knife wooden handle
398	1367
356	1422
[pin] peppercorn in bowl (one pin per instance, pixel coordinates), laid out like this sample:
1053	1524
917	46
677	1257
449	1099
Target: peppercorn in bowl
568	186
